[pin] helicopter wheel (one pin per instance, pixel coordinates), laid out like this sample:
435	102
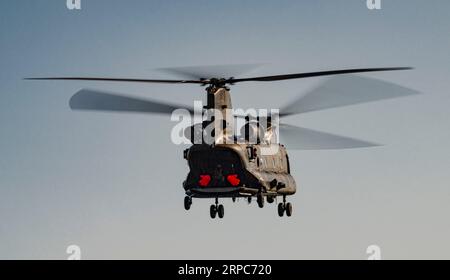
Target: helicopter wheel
233	199
288	209
213	211
270	199
187	202
281	209
220	211
260	200
249	199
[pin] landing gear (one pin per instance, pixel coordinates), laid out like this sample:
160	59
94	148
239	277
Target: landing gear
288	209
249	199
213	211
217	209
270	199
284	207
260	200
233	199
280	209
187	202
220	211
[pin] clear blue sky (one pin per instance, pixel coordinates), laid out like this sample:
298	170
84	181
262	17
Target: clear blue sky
111	183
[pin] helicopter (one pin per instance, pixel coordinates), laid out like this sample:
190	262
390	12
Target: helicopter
244	169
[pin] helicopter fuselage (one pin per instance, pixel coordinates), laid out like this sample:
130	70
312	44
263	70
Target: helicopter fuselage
237	170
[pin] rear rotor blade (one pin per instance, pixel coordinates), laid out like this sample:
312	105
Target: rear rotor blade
343	91
299	138
314	74
87	99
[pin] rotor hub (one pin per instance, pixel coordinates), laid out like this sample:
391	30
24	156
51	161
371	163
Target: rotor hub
216	83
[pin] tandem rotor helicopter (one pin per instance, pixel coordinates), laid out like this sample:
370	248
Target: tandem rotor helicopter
233	170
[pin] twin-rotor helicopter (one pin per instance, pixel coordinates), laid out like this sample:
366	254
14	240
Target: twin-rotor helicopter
244	168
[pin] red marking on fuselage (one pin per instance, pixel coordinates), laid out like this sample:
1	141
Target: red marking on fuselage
233	179
204	180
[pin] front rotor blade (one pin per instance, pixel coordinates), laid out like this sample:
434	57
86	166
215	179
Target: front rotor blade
211	71
299	138
343	91
118	80
314	74
87	99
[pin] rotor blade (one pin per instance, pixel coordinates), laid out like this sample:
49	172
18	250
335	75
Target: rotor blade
300	138
201	80
87	99
314	74
118	80
343	91
211	71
